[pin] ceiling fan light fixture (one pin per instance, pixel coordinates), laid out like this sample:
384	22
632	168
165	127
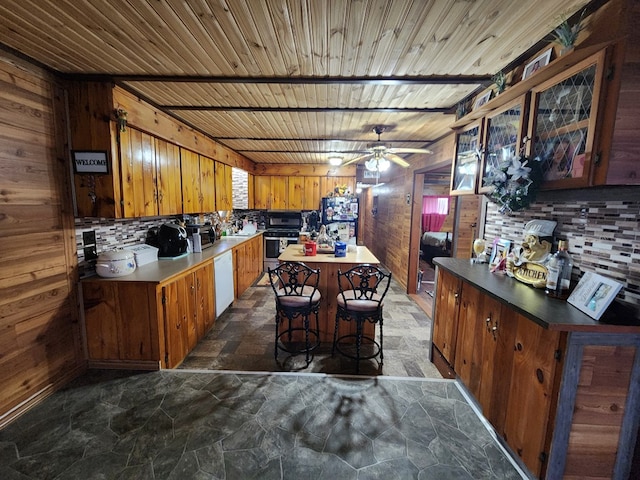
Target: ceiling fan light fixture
383	164
335	161
371	165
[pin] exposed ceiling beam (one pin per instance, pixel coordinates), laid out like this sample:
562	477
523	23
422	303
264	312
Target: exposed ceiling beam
211	108
302	139
340	152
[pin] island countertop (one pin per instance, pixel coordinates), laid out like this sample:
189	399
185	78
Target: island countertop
294	253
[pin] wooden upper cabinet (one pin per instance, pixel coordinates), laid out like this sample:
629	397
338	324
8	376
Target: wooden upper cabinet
279	192
311	193
150	170
208	188
296	193
168	178
262	192
466	160
563	123
504	130
224	186
190	171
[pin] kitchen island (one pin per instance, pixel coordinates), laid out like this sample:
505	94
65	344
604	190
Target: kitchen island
329	265
559	387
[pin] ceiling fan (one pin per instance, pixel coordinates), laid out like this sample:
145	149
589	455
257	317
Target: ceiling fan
380	154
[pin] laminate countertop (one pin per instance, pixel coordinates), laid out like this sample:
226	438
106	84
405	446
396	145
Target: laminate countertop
165	269
550	313
294	253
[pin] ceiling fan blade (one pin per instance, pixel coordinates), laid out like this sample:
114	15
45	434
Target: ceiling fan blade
409	150
357	159
396	159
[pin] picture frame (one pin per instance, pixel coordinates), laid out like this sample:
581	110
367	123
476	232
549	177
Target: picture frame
537	63
593	294
499	251
482	99
90	162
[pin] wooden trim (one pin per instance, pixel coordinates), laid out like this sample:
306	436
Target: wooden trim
441	363
125	364
42	394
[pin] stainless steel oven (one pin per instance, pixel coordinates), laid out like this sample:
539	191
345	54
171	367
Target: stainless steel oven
282	230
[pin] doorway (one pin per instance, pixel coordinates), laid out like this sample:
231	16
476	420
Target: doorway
455	236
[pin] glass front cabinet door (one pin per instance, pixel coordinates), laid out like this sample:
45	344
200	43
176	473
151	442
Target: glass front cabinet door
464	175
562	123
504	131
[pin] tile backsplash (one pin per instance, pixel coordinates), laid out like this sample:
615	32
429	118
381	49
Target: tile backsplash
111	233
602	227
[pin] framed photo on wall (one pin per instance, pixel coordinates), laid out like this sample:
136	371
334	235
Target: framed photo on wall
594	294
537	63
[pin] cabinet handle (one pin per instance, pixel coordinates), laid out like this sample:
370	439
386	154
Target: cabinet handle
456	295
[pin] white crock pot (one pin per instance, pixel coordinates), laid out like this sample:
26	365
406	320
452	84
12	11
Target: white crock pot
115	263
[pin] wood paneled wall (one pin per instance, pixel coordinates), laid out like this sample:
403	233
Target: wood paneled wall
387	234
40	341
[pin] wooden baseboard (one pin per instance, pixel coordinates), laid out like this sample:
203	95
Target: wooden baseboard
125	364
441	363
42	394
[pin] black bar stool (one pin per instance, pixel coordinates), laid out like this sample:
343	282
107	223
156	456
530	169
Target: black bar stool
296	289
361	298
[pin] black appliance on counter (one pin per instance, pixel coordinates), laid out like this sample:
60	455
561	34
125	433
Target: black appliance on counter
202	236
169	238
282	229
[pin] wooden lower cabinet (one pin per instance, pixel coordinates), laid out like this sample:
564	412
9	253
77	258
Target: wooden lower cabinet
247	264
188	312
147	325
558	398
447	300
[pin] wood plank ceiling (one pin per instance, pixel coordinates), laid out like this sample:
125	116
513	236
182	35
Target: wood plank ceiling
289	81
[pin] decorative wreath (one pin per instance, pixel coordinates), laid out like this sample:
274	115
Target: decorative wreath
515	183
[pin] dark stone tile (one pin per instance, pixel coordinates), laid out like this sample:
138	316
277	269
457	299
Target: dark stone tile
396	468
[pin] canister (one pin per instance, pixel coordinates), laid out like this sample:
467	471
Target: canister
341	249
310	249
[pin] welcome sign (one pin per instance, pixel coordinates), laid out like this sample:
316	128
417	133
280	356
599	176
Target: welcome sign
90	162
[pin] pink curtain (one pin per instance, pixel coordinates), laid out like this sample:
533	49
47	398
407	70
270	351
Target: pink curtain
434	212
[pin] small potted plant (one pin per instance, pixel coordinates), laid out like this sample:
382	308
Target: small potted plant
566	35
500	80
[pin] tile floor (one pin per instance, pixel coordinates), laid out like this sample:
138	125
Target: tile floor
242	340
182	424
212	419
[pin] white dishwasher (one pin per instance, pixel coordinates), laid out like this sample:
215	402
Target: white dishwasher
223	272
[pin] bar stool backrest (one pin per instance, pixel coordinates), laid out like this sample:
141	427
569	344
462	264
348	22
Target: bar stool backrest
295	282
364	283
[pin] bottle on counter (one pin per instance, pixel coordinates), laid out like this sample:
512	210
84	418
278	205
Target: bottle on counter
559	271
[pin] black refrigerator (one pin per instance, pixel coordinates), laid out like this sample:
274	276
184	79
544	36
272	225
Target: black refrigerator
340	217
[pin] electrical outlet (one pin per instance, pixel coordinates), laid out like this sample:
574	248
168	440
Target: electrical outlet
89	238
90	253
